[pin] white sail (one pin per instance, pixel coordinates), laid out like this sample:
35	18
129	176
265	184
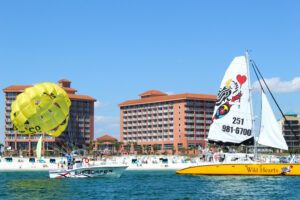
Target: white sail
232	118
270	132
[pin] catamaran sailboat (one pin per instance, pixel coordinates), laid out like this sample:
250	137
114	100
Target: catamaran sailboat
233	122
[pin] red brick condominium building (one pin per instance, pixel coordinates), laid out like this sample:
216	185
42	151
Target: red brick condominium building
169	121
80	129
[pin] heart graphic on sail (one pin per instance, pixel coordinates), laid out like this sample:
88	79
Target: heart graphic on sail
241	79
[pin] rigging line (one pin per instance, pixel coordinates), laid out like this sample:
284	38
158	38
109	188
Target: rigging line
59	148
257	77
289	125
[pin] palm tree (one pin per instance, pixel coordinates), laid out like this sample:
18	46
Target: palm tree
126	147
182	150
149	148
91	145
95	154
135	146
118	146
145	146
113	145
100	142
33	149
193	148
155	146
129	145
173	150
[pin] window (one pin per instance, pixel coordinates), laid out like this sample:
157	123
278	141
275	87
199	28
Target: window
22	146
168	146
49	145
158	147
12	145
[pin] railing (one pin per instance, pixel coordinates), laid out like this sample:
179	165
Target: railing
190	115
190	126
22	137
190	132
190	138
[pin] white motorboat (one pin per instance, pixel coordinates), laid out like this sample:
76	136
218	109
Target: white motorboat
83	169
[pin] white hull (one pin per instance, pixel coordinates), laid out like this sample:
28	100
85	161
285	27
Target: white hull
86	172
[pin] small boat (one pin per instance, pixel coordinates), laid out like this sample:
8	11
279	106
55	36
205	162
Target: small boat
233	123
82	169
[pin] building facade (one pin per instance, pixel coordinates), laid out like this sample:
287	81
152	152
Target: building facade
79	132
168	122
106	145
291	130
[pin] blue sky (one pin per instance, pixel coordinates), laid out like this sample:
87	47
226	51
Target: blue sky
115	50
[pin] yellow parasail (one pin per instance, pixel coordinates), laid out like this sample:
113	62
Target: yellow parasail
41	108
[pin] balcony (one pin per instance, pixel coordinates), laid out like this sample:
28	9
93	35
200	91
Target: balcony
190	138
22	137
190	132
190	126
189	115
9	137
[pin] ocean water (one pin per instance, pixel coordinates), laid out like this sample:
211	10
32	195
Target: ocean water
147	185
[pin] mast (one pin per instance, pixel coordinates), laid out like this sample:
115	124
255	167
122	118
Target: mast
251	105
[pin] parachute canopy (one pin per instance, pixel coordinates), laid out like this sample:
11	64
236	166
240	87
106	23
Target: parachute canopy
41	108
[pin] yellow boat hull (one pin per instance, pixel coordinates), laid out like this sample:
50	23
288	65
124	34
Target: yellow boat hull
266	169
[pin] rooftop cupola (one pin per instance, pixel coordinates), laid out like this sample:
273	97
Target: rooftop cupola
152	93
64	83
